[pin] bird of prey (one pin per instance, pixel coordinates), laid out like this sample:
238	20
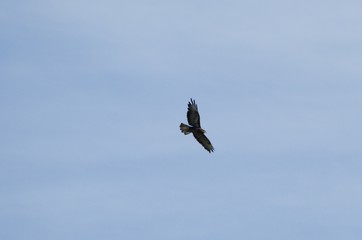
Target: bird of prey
193	118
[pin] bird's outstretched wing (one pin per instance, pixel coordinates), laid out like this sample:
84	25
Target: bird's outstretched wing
203	140
193	116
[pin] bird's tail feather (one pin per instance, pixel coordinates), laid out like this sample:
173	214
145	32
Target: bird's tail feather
185	129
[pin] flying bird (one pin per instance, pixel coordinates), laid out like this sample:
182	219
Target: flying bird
193	118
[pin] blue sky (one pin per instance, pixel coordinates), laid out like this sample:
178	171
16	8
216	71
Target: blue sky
92	94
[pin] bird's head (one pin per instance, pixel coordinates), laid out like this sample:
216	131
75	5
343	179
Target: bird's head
202	130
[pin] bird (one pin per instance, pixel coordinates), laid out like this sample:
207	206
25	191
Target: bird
193	118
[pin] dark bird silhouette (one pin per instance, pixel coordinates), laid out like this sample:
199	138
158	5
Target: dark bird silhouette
193	118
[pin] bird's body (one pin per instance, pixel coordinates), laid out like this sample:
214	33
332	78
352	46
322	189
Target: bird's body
193	118
186	129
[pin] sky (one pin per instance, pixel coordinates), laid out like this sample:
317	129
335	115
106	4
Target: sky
92	94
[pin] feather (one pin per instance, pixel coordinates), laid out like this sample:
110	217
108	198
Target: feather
203	140
185	129
193	116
